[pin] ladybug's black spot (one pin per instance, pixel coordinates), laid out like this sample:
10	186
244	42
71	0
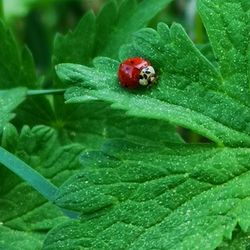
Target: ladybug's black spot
141	77
145	76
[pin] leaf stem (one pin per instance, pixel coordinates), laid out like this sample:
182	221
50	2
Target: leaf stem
45	91
33	178
28	174
199	30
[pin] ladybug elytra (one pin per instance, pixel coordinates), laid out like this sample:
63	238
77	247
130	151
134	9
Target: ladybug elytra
135	72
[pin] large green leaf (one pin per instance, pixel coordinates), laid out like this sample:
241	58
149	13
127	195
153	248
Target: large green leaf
9	100
24	213
188	197
190	90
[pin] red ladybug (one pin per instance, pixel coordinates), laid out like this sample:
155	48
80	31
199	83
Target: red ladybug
135	72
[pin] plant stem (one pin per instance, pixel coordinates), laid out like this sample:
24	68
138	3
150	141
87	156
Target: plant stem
28	174
46	92
199	31
32	177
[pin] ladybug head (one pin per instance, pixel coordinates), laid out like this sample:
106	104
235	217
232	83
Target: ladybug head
147	76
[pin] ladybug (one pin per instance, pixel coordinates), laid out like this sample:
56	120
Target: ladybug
135	72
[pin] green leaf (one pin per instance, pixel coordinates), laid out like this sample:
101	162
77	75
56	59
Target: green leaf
76	46
190	91
105	34
228	28
23	211
92	123
9	100
131	17
189	196
13	240
82	122
16	65
17	68
34	111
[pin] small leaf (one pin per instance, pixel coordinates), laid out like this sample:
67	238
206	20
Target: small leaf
131	17
76	46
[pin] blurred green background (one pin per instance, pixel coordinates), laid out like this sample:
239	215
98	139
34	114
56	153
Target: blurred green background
35	22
